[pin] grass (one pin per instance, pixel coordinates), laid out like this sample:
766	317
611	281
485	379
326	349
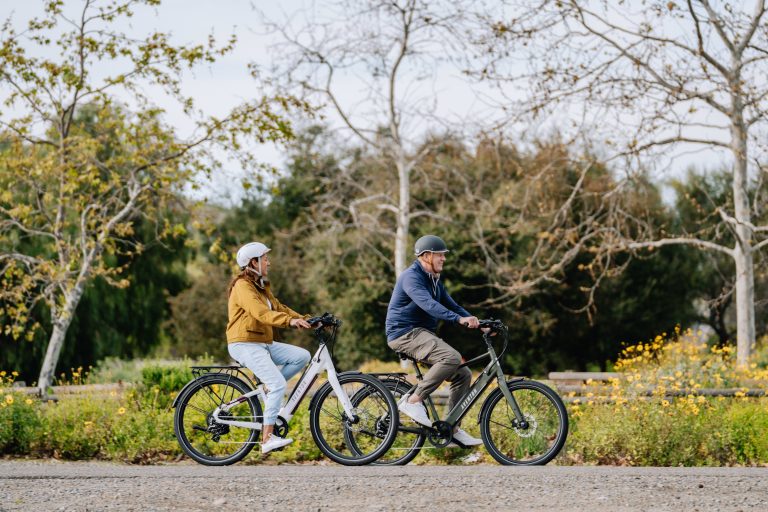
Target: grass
624	427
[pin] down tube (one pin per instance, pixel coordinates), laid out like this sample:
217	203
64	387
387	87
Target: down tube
301	389
466	402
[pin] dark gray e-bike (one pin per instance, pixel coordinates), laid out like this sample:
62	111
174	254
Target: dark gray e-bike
522	421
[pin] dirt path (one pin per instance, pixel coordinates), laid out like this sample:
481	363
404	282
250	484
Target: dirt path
52	485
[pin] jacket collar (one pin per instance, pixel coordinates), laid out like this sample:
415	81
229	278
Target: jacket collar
417	264
261	283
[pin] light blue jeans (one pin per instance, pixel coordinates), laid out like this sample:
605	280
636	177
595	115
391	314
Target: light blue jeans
262	359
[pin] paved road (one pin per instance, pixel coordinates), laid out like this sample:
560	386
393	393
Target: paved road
52	485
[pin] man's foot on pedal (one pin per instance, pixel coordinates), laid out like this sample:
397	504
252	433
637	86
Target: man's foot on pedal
417	412
460	436
274	442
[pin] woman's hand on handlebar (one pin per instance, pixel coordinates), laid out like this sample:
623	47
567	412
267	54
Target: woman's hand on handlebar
300	323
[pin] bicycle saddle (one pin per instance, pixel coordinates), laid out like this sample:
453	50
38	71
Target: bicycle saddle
405	357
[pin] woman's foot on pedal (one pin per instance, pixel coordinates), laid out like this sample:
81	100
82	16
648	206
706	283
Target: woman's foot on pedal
273	443
417	412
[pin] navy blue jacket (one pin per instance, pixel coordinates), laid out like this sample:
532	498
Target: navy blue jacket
417	301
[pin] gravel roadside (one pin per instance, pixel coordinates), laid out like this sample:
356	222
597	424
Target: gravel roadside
80	486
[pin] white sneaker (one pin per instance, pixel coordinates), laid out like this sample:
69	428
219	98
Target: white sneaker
460	436
417	412
274	442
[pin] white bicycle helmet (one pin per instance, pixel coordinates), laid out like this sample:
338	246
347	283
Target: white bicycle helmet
249	251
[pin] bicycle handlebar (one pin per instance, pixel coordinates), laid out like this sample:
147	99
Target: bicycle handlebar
492	324
325	320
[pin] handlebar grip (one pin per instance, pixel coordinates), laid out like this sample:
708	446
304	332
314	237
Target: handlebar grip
492	323
326	319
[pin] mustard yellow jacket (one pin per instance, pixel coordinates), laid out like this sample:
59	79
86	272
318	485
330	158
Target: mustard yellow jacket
250	318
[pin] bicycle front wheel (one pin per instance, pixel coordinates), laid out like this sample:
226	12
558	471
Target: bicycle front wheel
534	441
368	434
203	438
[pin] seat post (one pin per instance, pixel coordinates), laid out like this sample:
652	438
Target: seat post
418	370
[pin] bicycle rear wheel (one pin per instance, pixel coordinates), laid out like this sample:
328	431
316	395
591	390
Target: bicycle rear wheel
536	441
365	437
200	436
410	435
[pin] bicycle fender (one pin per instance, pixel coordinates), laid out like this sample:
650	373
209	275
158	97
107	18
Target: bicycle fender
492	394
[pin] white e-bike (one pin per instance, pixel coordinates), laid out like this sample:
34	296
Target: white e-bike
218	414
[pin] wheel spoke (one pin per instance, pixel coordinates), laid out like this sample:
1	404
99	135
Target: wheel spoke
364	438
546	427
217	443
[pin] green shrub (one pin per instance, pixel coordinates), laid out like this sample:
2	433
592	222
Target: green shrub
113	369
20	423
685	431
167	379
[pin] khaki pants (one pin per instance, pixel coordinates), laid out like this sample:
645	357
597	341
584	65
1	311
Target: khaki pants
424	345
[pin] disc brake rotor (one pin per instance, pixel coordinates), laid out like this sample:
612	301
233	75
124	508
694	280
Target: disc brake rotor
363	419
532	426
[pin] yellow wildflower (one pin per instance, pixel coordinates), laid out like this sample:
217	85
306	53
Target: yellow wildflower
9	399
28	401
121	410
16	374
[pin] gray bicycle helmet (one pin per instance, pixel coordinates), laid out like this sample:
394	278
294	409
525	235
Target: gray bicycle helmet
429	243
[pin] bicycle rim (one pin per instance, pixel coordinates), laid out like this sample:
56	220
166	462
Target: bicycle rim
364	439
201	437
538	442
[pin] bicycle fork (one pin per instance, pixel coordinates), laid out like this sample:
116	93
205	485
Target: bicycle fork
519	417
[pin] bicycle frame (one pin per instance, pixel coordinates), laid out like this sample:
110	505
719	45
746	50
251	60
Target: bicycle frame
490	372
320	362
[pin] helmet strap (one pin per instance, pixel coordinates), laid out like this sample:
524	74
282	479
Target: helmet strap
427	260
256	270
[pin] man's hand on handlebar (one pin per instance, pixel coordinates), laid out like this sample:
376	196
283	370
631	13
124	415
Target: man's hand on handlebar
470	321
300	323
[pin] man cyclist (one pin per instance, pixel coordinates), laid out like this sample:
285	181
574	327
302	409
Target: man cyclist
418	301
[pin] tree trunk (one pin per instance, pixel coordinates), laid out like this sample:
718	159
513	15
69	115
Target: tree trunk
745	306
403	215
745	272
56	342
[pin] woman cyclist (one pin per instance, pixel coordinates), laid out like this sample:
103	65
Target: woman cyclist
253	311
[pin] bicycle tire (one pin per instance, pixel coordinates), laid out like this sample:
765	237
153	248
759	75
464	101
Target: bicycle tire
545	435
331	429
193	413
406	445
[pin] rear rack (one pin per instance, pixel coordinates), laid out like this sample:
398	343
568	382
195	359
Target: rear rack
394	375
231	369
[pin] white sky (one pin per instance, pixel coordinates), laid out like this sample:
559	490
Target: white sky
219	87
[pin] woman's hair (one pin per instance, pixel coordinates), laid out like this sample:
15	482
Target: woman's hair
244	274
